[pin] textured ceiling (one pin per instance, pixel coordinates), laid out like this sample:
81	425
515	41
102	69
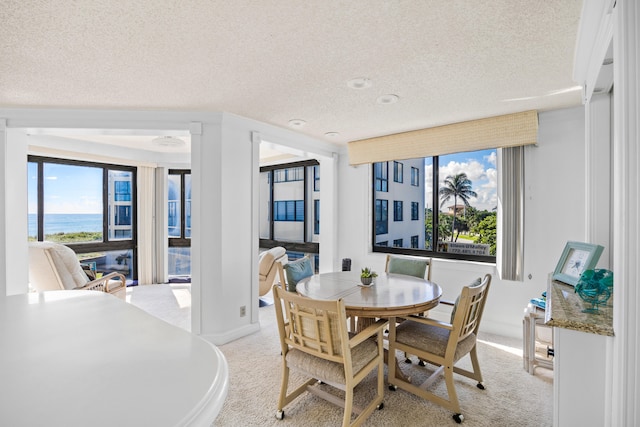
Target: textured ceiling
276	60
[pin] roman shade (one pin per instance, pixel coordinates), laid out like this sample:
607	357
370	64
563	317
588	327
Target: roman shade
510	130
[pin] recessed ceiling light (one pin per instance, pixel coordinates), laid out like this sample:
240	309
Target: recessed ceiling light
297	123
168	141
359	83
332	134
387	99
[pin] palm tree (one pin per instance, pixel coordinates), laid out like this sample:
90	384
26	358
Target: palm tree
458	186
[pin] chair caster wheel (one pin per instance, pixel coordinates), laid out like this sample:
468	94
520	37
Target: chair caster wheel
459	418
393	387
279	415
380	406
407	360
421	363
480	386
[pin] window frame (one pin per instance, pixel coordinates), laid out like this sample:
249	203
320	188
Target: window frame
398	172
182	241
381	178
383	217
415	176
415	211
107	244
433	253
398	207
304	247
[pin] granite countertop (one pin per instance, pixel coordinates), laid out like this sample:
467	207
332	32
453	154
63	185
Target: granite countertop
564	310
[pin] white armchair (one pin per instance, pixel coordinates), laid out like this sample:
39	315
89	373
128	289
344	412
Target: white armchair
268	267
53	266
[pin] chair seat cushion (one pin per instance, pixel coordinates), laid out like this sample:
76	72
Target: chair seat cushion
431	339
330	371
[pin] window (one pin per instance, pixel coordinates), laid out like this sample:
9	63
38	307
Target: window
382	218
415	177
289	207
289	174
316	178
385	243
86	206
381	173
120	206
398	172
397	210
453	208
288	210
316	216
179	222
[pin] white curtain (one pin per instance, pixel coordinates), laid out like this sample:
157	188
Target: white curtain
510	256
146	221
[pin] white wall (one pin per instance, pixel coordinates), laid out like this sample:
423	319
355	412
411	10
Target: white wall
554	214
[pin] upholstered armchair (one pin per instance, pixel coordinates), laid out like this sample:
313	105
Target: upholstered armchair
53	266
268	267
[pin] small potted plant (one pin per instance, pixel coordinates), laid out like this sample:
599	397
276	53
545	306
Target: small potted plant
367	276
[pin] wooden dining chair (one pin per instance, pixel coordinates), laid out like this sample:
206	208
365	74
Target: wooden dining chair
316	344
410	266
442	344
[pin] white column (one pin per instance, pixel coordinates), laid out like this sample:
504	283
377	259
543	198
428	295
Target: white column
3	206
598	174
223	243
626	214
13	204
329	214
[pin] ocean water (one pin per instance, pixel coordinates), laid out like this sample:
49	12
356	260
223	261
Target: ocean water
66	223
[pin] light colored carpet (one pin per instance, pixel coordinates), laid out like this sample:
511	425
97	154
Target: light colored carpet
512	396
169	302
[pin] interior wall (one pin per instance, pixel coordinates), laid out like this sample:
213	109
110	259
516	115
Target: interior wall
554	194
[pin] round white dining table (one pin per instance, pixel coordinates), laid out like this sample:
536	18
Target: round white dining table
389	295
86	358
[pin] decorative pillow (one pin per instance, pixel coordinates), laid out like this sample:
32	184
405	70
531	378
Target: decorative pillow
410	267
296	271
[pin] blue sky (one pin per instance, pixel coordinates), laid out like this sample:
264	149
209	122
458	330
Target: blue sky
68	189
480	167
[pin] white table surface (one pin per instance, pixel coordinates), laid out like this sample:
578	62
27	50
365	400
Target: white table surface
86	358
390	295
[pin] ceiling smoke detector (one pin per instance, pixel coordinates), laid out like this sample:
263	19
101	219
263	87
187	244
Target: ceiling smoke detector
168	141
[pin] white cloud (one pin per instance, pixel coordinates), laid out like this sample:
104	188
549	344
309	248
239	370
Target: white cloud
52	178
484	181
492	158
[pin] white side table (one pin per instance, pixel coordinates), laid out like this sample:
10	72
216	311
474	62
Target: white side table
535	333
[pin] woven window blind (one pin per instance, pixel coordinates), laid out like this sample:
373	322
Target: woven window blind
511	130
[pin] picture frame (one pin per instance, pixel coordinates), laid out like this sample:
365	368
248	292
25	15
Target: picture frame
575	259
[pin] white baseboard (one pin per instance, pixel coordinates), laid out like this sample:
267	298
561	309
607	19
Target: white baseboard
228	336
